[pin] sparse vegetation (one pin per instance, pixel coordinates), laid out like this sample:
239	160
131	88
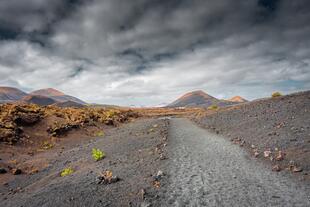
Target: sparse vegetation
151	130
276	94
66	171
213	107
99	134
97	154
14	116
47	145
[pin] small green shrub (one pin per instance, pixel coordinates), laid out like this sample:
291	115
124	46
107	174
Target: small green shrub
66	171
97	154
213	107
151	130
47	145
276	94
99	134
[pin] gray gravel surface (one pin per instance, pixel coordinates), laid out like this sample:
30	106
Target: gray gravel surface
282	122
204	169
130	154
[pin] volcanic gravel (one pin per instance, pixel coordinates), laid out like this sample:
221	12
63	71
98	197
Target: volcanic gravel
133	154
275	124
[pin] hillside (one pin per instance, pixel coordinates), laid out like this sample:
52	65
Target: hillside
47	92
279	125
37	99
41	97
198	99
10	94
57	95
69	104
238	99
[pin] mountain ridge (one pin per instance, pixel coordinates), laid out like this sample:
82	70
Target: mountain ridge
11	94
199	98
45	96
238	99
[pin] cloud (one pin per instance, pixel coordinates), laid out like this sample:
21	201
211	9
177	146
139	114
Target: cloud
149	52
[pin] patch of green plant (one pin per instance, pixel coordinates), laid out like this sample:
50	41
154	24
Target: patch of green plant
99	134
213	107
111	113
66	171
97	154
47	145
276	94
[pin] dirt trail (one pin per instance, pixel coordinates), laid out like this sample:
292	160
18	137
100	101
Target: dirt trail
205	169
202	169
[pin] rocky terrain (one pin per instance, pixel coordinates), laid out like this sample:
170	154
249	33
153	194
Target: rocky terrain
205	169
249	154
32	123
127	175
276	130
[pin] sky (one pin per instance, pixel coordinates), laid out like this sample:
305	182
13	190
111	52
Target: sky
150	52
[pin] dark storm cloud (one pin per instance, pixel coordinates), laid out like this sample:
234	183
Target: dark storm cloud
33	19
156	49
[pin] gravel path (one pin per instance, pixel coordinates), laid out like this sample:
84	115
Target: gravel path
205	169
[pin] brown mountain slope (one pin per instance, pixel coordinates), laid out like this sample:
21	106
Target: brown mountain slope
238	99
198	99
47	92
57	95
37	99
10	94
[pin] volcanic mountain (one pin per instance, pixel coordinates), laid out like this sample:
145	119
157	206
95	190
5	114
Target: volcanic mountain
238	99
57	95
198	99
37	99
9	94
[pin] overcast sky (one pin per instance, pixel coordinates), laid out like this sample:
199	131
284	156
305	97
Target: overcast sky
149	52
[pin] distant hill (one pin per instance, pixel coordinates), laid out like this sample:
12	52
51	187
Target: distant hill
37	99
47	92
57	95
238	99
10	94
69	104
41	97
198	99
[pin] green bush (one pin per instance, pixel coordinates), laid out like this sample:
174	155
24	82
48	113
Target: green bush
66	171
213	107
99	134
276	94
97	154
47	145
